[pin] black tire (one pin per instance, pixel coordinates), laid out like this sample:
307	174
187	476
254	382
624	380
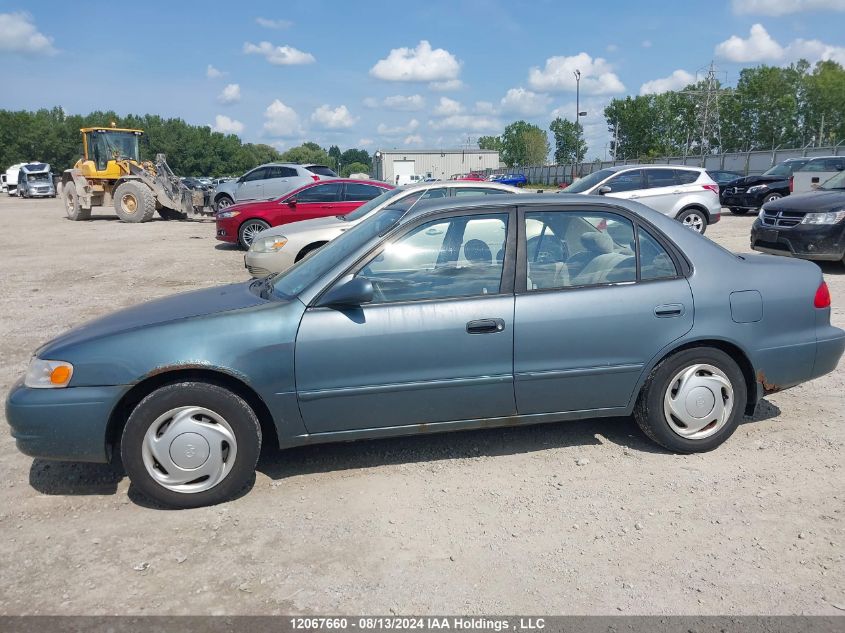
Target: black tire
222	202
649	410
308	250
248	229
237	413
772	196
738	211
693	218
134	202
73	208
166	213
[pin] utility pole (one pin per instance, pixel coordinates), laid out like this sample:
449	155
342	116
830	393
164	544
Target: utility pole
707	109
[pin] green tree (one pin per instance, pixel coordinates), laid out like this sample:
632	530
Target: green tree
524	144
825	109
354	155
306	153
570	146
334	155
490	142
354	168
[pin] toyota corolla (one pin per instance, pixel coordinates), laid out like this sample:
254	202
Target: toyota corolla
450	316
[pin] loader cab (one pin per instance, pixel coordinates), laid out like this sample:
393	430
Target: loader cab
105	146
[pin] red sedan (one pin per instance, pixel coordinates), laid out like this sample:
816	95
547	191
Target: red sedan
242	222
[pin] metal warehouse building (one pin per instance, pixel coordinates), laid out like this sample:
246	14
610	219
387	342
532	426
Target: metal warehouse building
434	163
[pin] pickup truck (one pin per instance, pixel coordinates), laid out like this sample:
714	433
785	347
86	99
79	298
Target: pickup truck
815	172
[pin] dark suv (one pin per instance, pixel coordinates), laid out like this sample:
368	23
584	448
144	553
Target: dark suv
752	192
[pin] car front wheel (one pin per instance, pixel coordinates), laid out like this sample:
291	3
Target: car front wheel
248	231
191	444
693	219
692	401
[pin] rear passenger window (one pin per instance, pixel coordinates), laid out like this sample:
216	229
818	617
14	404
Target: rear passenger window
655	262
660	178
357	192
686	177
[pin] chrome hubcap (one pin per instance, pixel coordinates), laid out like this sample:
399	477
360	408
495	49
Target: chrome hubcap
251	230
224	202
694	222
189	449
698	401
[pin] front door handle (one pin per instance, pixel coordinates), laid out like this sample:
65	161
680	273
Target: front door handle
485	326
669	310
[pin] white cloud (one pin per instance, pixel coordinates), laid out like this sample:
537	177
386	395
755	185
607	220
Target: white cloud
524	102
273	24
18	34
677	80
230	94
450	85
279	55
485	107
333	118
281	120
386	130
469	122
783	7
759	46
213	73
365	142
448	107
401	103
611	48
413	139
226	125
597	76
646	44
417	64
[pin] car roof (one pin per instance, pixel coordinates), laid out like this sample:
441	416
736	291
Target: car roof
374	183
649	165
459	184
811	159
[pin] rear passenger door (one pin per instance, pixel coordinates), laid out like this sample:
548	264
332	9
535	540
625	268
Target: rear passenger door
597	297
661	191
279	181
355	194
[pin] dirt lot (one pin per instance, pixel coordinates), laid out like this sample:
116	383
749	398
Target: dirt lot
497	521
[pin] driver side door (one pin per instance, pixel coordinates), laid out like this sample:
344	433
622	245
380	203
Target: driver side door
252	185
436	343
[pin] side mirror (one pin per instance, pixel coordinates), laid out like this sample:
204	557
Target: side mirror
353	293
604	189
240	180
291	202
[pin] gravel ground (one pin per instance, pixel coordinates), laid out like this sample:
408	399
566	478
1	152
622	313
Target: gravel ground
575	518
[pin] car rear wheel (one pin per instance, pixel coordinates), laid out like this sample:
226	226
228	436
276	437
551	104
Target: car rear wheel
693	219
738	211
223	202
692	401
248	231
191	444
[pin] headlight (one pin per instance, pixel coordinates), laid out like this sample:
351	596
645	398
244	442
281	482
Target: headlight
757	188
48	374
761	214
831	217
228	214
269	244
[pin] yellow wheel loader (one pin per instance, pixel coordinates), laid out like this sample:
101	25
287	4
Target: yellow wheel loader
110	172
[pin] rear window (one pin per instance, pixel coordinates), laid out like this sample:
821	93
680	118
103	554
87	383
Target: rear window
685	176
321	170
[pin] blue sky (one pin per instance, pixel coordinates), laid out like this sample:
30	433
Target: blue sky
387	75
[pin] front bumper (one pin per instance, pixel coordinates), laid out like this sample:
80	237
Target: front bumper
806	241
227	230
65	424
744	200
263	264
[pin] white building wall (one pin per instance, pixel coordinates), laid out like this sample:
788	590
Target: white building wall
439	164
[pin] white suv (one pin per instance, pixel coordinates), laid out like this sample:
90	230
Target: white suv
268	181
687	194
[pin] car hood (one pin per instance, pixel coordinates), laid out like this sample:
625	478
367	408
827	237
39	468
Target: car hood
750	181
181	306
330	223
819	201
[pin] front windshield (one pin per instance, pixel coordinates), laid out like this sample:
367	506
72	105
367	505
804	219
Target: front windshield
365	208
784	169
837	182
107	145
307	270
588	182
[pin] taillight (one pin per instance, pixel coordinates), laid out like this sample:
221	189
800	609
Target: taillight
791	184
315	178
822	299
714	188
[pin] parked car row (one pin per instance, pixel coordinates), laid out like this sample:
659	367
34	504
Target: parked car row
268	181
29	180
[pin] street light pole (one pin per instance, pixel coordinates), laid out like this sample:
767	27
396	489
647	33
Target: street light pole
577	74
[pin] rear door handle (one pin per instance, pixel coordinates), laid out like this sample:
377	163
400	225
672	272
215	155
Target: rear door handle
485	326
669	310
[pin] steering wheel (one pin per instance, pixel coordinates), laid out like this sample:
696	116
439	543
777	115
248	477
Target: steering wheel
551	250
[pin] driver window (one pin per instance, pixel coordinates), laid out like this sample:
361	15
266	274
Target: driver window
453	257
626	181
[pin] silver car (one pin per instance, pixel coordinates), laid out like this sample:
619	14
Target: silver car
278	248
35	180
687	194
268	181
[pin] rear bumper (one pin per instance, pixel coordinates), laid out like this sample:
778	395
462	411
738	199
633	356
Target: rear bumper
743	200
65	424
815	242
829	349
